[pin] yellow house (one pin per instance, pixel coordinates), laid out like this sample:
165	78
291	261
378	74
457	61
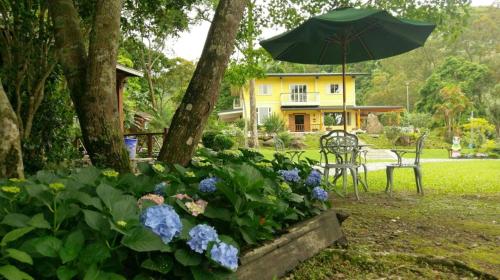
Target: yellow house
304	100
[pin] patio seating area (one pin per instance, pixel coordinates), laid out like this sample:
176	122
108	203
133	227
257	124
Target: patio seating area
342	154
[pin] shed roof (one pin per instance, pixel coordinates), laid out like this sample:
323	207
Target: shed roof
129	71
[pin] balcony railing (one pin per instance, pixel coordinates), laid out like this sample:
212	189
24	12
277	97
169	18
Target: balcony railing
300	99
299	127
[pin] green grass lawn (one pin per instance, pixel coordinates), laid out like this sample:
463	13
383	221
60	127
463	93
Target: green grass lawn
459	177
400	236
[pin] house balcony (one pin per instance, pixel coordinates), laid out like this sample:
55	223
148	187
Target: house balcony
300	99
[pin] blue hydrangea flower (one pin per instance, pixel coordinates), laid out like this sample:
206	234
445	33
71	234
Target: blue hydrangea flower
163	221
225	255
291	176
314	179
319	194
201	235
208	185
160	188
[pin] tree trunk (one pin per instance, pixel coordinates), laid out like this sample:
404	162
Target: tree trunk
92	79
201	95
101	119
151	87
254	134
11	160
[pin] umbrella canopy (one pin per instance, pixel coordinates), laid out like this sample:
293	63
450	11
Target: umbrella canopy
348	35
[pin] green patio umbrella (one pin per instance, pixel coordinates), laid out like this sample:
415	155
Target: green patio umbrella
348	35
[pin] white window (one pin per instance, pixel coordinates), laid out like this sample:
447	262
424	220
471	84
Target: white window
334	89
262	114
265	90
298	93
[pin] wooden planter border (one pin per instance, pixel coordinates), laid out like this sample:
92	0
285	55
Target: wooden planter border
302	241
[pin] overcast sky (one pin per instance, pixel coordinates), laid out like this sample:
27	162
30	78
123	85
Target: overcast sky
190	44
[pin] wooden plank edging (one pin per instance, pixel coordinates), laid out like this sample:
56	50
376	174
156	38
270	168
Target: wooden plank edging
302	241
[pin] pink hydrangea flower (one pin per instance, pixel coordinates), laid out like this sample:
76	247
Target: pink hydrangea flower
157	199
182	196
197	207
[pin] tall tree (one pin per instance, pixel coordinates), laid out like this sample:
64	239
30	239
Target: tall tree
253	59
28	57
493	108
192	114
92	76
450	16
472	78
151	24
453	104
11	161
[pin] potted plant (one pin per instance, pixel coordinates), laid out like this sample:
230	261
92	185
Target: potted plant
329	121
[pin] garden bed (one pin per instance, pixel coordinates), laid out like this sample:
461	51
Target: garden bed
302	241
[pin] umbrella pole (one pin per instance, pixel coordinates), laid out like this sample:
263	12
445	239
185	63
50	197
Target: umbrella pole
344	107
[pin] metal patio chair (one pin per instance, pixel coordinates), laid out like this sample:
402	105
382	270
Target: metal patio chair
415	165
279	146
340	150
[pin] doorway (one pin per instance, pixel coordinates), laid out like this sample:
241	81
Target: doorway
299	123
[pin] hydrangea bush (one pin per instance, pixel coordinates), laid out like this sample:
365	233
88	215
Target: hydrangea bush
162	223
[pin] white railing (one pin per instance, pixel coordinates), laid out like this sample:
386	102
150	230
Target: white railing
300	99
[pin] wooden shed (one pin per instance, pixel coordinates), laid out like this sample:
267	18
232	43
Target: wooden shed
122	73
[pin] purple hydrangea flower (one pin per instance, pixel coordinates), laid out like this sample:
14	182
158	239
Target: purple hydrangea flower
319	194
160	188
225	255
163	221
208	185
314	179
201	235
291	176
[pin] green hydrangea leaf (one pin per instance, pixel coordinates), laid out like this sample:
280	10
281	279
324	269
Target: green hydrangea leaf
162	264
66	273
96	220
187	258
19	255
15	234
16	220
38	221
143	240
72	246
48	246
11	272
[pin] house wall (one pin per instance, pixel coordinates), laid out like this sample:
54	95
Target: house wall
319	84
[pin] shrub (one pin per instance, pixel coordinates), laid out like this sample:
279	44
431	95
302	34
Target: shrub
477	132
240	123
392	133
329	120
91	222
390	119
236	134
286	137
274	124
222	142
208	138
418	120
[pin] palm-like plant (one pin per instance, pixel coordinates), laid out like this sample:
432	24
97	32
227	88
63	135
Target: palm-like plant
274	124
454	102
